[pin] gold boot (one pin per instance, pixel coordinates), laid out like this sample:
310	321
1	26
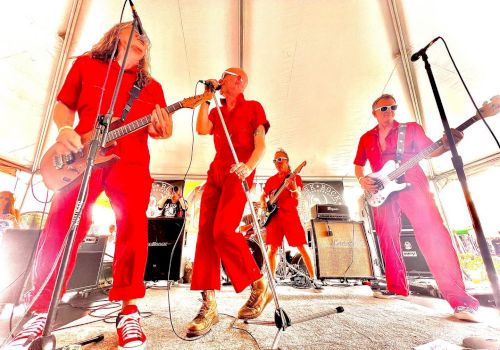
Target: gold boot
207	316
260	296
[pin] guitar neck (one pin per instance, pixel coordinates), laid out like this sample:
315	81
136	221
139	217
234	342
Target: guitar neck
274	198
426	152
138	124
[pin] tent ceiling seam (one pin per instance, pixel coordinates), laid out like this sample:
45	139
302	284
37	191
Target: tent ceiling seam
57	78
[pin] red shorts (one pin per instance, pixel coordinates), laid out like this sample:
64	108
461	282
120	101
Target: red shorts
285	224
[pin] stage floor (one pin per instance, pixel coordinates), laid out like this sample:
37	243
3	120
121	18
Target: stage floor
366	323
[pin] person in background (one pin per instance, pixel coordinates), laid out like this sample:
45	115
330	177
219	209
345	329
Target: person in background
286	221
127	182
377	146
173	207
9	215
223	202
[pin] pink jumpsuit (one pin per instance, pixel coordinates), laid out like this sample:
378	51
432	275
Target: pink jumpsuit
417	203
127	183
223	201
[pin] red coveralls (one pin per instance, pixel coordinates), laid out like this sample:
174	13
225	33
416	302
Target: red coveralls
286	220
223	201
417	203
127	182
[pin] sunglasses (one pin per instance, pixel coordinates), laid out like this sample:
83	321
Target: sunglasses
226	73
279	159
385	108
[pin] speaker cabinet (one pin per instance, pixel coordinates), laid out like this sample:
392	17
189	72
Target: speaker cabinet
16	254
162	234
342	250
412	256
88	264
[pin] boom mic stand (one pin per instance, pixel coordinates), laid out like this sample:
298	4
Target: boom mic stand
48	341
281	319
459	167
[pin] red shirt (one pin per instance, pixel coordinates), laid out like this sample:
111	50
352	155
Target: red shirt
82	90
241	124
415	141
285	199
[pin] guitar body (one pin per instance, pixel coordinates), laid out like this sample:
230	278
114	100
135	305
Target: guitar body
271	210
386	186
60	173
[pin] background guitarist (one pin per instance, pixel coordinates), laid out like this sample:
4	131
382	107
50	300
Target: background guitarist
286	221
377	146
127	182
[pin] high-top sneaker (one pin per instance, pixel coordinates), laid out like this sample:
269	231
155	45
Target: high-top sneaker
128	327
206	317
260	296
33	329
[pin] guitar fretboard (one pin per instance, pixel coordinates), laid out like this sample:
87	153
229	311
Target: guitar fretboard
426	152
139	123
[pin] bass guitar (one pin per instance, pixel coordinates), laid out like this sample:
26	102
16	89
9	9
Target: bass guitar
61	172
271	206
386	177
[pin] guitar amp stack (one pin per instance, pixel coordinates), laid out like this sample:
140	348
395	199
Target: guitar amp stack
337	212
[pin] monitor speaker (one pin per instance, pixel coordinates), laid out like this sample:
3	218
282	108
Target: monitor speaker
412	256
162	234
16	254
342	250
88	264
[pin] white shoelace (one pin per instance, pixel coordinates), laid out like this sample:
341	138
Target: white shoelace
32	329
130	327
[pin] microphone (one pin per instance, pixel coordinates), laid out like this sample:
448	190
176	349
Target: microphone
419	53
209	84
137	19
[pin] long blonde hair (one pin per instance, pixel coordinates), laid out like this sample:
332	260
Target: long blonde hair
104	49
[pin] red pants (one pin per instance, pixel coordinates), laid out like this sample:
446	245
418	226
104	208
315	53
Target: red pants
129	197
222	205
434	240
285	224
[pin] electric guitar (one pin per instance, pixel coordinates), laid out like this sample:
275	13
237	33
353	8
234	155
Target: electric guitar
386	177
61	172
271	206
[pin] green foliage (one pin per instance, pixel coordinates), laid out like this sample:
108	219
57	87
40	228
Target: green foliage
474	268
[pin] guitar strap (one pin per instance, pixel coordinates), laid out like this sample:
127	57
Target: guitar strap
134	92
400	146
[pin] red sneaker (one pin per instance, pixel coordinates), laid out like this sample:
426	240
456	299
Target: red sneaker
33	329
128	327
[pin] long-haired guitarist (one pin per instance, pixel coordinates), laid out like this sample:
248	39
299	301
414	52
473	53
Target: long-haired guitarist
286	221
379	146
127	182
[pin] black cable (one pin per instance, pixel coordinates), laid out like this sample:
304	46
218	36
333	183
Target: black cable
468	93
241	329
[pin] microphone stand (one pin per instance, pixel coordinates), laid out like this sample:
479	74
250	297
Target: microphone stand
281	319
459	167
48	341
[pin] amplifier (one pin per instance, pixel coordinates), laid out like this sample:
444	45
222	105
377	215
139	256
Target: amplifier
330	211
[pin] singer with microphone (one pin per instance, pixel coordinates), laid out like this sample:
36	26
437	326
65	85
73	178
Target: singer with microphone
223	201
127	182
379	146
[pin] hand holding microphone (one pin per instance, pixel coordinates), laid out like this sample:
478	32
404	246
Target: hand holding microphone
211	84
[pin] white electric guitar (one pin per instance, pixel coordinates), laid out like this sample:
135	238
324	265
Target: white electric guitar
386	177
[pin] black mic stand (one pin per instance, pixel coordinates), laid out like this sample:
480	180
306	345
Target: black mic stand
48	341
281	319
458	164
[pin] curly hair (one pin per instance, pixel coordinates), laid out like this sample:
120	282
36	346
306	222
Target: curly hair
104	49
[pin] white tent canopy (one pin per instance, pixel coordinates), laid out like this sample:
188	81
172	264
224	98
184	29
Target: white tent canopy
316	66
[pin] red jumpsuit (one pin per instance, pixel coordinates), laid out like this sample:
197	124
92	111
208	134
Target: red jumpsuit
223	201
417	203
286	220
127	182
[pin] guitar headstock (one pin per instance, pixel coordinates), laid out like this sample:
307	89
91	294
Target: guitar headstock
194	101
491	108
299	168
